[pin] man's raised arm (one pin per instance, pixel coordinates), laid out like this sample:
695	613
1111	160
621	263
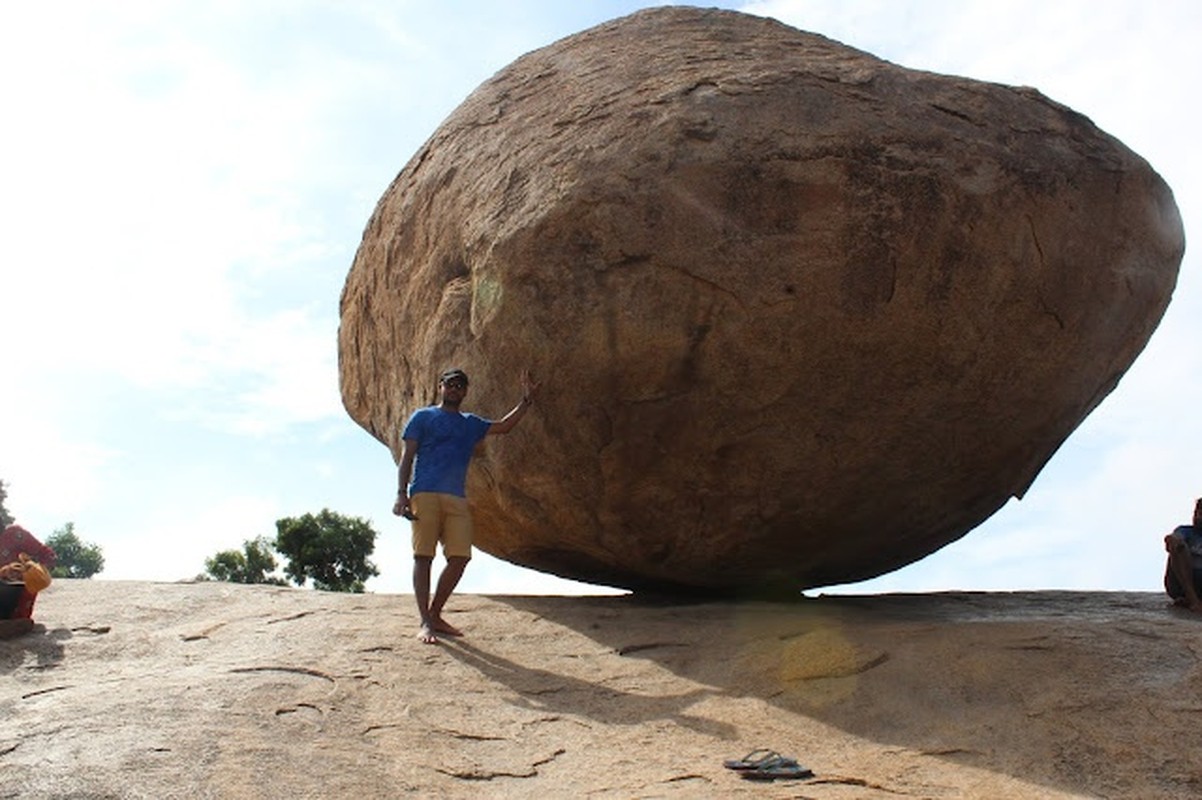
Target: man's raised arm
508	422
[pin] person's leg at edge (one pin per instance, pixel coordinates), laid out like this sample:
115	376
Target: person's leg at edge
447	582
457	547
1181	567
421	593
427	526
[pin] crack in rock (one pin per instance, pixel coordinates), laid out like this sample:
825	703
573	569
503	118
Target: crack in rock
635	648
45	691
291	618
844	781
313	673
480	774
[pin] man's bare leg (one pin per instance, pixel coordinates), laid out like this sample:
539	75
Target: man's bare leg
1181	564
421	592
447	582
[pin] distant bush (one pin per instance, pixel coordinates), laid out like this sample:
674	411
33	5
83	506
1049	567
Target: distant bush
6	518
254	563
329	548
75	559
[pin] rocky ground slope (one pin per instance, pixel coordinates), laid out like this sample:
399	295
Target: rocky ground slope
209	690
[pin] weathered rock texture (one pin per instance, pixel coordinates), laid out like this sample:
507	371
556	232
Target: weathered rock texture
199	691
803	316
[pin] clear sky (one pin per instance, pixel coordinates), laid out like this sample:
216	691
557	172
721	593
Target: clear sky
183	186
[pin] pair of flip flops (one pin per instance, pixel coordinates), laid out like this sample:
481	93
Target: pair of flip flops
767	765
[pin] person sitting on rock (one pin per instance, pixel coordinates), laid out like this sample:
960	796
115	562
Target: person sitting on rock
1183	575
23	573
20	582
12	592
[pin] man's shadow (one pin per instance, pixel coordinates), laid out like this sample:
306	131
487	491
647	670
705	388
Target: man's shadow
543	690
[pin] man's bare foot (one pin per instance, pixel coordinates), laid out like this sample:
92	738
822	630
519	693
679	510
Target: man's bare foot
442	626
426	635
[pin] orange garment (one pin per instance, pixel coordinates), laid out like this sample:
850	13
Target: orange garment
14	541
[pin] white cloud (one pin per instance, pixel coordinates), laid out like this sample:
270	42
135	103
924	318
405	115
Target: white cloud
164	545
156	199
55	478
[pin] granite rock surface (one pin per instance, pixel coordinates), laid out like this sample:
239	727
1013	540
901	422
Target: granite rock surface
210	690
803	316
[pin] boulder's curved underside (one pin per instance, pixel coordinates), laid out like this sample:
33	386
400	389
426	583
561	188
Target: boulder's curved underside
802	316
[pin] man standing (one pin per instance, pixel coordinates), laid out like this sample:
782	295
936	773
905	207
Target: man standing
1183	575
438	445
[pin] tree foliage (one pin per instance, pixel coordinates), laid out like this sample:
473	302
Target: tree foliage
254	563
6	518
329	548
75	559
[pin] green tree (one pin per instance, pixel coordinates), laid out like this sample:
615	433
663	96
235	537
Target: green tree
6	518
75	559
254	563
330	548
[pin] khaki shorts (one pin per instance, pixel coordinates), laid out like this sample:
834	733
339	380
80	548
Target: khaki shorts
441	518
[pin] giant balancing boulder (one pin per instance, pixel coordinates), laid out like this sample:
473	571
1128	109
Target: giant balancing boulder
802	316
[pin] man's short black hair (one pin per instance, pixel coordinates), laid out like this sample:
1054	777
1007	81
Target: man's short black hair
453	374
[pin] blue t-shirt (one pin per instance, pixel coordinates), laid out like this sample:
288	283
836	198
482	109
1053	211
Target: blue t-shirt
1193	540
445	441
